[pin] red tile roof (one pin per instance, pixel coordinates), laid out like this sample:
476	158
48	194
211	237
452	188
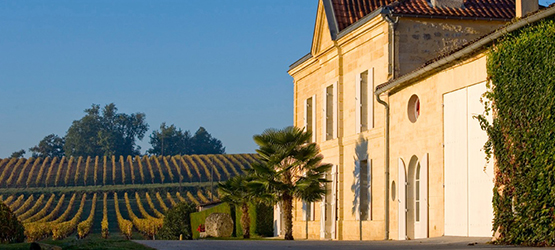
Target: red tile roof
499	9
348	12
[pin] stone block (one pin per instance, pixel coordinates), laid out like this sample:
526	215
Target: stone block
219	225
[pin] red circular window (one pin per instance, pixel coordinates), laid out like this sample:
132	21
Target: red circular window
413	109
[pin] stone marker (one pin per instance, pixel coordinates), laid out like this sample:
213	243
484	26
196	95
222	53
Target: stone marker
219	225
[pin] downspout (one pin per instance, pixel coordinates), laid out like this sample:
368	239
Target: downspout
380	101
391	71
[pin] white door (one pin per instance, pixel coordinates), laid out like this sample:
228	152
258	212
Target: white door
468	181
401	201
455	153
422	225
480	176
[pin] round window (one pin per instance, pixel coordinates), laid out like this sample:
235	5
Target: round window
413	108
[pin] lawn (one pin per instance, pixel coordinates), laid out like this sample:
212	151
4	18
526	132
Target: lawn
92	242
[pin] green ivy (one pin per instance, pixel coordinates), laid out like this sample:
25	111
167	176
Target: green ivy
521	97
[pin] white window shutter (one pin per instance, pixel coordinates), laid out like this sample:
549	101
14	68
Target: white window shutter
358	103
313	110
305	115
357	191
335	109
401	198
305	207
370	98
424	195
324	114
312	211
369	187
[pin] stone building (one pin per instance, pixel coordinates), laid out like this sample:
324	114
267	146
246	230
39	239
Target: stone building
396	124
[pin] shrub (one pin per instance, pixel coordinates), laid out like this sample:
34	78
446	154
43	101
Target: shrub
11	229
177	222
522	99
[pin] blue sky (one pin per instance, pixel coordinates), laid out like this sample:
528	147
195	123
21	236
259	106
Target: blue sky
220	64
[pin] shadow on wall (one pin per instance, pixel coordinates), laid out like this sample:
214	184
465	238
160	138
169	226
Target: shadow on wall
361	153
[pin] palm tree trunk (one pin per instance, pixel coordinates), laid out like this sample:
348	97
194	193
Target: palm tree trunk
288	216
245	220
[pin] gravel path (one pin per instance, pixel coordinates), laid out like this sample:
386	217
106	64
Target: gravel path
432	243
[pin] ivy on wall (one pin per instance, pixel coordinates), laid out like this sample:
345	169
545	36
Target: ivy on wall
521	97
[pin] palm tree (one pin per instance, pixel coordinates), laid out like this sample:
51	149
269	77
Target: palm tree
236	192
289	168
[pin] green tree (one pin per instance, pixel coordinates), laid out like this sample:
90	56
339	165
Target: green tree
11	229
177	222
50	146
203	143
18	154
170	141
107	133
236	191
290	167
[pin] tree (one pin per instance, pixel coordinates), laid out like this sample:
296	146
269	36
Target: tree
50	146
170	141
203	143
11	229
237	192
177	222
18	154
289	168
109	133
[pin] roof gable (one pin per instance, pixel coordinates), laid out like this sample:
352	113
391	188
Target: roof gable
322	37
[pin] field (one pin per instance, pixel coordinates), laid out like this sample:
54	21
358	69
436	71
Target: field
60	197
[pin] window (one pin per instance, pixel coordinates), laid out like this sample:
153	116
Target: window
364	98
308	211
330	112
365	195
417	194
309	115
413	109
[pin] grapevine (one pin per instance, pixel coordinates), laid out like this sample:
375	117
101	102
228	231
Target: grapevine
125	226
161	202
192	198
162	177
84	227
138	160
30	176
151	204
25	205
43	211
66	179
23	172
104	224
186	168
47	178
177	168
168	167
59	171
32	210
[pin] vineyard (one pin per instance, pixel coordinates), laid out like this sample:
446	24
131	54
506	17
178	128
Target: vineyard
60	197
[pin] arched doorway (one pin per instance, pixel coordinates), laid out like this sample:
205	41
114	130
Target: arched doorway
413	198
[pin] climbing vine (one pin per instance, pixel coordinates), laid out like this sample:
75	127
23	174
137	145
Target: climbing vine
521	97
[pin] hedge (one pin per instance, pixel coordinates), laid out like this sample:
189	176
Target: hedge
521	97
262	219
199	217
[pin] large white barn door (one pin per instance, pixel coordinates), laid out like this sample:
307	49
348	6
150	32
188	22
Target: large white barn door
480	179
402	201
455	153
468	186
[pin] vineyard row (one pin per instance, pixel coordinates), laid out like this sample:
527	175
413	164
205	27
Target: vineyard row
94	171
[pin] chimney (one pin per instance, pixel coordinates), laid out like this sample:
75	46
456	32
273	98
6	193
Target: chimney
447	3
524	7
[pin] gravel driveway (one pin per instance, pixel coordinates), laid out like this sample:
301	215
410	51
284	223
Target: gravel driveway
432	243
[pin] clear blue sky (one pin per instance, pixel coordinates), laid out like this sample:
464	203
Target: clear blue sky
220	64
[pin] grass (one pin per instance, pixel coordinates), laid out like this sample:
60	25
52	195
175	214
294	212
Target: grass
92	242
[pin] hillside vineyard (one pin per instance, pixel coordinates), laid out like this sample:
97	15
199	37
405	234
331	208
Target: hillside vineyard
58	197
